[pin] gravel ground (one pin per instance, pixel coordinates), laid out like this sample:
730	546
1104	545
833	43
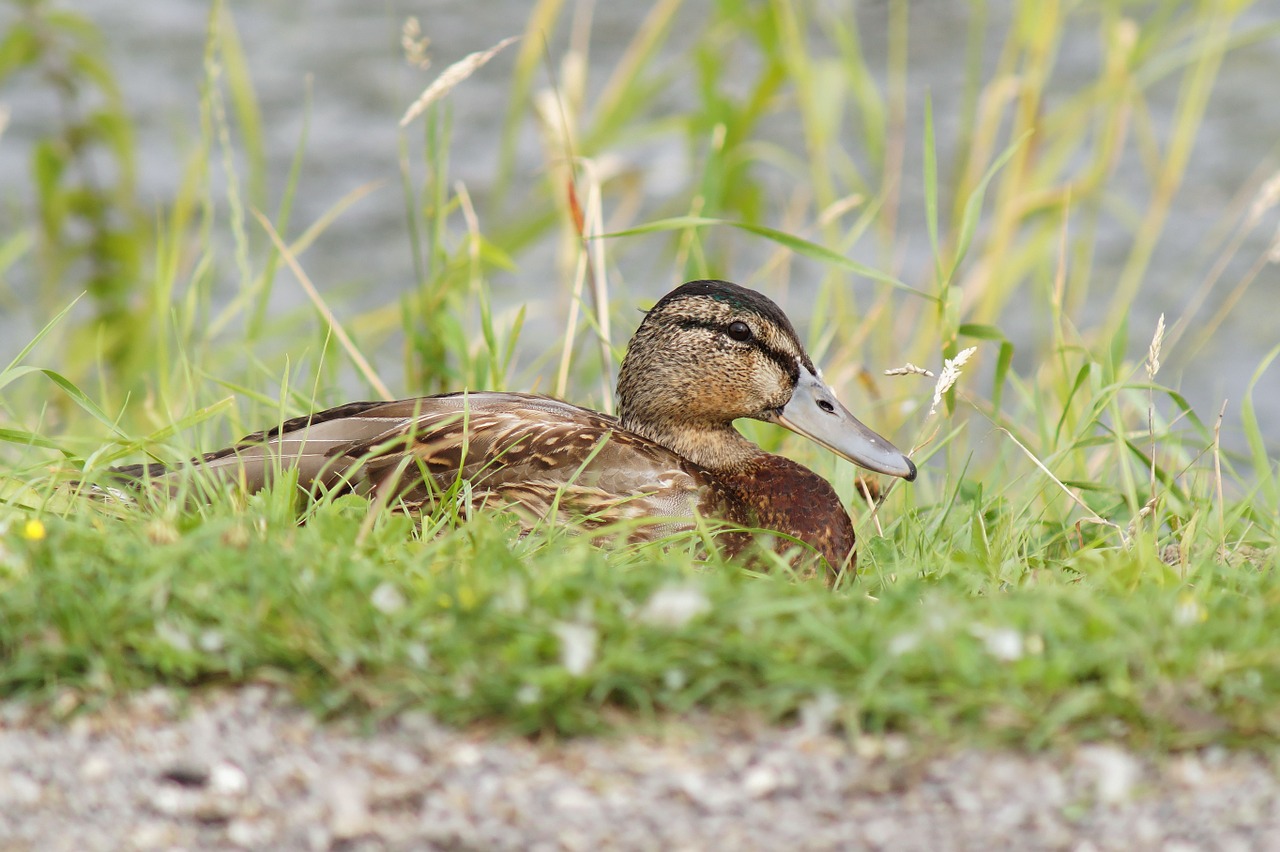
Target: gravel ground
247	769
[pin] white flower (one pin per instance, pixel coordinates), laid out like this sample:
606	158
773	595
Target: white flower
1003	643
212	641
674	606
818	714
1189	611
904	643
418	654
173	636
387	599
577	646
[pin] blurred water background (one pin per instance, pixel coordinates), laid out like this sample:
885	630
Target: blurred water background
342	61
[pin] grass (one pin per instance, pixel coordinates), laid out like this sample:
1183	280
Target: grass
1079	559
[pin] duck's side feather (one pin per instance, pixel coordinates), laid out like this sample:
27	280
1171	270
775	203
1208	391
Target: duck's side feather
533	453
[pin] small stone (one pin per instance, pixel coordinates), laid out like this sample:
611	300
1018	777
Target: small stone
466	754
153	835
228	779
212	809
1189	771
704	794
1215	756
157	702
95	768
1146	830
186	774
818	714
250	834
572	799
15	713
868	747
880	832
760	781
1112	772
171	801
965	800
18	789
896	746
348	811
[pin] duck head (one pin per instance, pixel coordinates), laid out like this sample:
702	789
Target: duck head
710	352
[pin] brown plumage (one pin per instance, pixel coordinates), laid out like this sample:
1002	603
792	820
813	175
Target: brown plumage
707	353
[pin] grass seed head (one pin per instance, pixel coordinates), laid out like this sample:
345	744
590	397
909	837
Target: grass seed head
414	44
1153	353
451	77
950	373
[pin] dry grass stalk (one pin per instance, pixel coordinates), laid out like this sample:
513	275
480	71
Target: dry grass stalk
1217	472
870	492
593	247
839	207
452	76
473	229
1153	367
365	368
1268	196
1147	509
1092	516
1060	273
589	223
909	369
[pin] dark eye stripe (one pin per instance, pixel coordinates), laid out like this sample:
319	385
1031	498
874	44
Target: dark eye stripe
787	363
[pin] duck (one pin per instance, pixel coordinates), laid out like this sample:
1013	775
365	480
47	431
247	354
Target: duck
708	353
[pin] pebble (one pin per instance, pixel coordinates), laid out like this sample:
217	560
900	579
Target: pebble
95	768
247	769
228	779
1112	772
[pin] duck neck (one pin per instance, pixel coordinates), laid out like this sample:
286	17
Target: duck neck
716	447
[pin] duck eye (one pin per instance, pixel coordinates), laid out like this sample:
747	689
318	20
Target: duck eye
740	331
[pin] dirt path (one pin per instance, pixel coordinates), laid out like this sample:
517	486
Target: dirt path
245	769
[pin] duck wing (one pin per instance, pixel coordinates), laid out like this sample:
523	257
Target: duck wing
533	453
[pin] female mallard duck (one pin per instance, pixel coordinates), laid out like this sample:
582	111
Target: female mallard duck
708	353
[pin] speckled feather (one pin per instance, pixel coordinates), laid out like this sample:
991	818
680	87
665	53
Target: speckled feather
520	451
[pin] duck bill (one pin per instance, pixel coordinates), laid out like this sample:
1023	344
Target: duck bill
815	413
